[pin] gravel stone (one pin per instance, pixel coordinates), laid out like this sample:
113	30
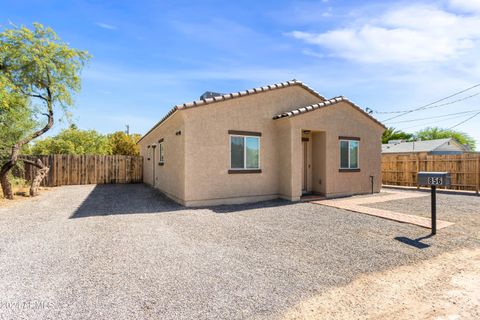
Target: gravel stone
462	209
127	252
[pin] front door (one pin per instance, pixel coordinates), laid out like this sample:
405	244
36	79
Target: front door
305	165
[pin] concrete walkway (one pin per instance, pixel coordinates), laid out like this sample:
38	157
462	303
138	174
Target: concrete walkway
356	204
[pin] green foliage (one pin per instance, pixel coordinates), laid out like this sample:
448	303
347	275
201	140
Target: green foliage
124	144
18	182
8	97
73	141
15	123
394	134
38	72
81	142
37	64
432	133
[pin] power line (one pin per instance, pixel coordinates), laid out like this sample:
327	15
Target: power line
434	102
435	106
433	123
442	116
462	122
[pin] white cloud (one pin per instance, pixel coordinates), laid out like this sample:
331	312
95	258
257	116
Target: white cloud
105	26
466	5
408	34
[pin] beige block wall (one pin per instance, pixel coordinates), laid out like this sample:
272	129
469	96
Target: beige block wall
330	123
169	178
284	159
207	180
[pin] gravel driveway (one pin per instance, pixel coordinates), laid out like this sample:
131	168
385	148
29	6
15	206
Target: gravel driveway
462	209
127	252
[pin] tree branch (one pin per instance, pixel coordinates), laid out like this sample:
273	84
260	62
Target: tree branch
49	101
33	95
33	163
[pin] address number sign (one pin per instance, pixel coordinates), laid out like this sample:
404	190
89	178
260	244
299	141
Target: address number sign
435	181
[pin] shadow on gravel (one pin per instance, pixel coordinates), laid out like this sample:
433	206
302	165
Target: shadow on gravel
417	243
249	206
110	199
113	199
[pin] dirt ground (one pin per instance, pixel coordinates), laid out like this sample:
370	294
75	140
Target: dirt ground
21	193
445	287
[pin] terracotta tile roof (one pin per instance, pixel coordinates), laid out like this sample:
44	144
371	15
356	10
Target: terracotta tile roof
323	104
247	92
233	95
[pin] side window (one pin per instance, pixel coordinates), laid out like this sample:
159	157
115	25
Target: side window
149	152
349	151
161	152
244	152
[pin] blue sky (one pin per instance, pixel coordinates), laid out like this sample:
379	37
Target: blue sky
151	55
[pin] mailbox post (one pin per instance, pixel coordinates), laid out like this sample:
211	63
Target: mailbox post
433	179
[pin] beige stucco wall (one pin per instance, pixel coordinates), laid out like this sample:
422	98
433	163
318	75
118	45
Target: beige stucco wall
169	178
207	146
319	162
197	162
328	124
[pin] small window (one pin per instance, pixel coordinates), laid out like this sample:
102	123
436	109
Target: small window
244	152
349	154
161	153
149	152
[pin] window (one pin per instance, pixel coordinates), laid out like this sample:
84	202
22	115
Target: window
161	152
349	154
244	152
149	152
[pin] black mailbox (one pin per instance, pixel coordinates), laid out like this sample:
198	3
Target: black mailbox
433	179
425	178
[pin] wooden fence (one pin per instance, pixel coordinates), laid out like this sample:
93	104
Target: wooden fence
88	169
402	170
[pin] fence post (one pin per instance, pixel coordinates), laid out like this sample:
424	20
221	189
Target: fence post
477	174
417	162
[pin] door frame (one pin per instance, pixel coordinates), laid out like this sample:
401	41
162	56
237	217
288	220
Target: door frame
305	163
305	166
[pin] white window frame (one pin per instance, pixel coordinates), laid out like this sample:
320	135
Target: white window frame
340	153
244	152
161	152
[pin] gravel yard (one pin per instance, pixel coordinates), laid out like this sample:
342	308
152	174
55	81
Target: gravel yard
462	209
127	252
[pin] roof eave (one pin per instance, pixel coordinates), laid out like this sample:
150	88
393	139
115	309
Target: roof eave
323	104
232	95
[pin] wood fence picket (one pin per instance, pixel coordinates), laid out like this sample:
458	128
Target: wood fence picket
86	169
401	169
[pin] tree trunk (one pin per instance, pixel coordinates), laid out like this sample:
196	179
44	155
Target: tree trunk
6	185
39	176
7	166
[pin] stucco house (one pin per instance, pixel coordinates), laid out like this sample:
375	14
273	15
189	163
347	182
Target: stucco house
278	141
